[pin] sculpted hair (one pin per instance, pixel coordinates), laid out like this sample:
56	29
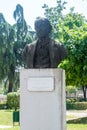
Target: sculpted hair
42	22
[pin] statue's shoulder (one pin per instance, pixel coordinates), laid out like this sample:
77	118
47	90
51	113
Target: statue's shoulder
55	43
32	44
61	49
58	46
28	47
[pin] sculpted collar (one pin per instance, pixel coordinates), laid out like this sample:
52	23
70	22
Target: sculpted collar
44	41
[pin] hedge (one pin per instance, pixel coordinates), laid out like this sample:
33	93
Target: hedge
76	105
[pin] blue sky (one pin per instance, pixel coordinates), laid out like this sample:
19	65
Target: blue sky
33	8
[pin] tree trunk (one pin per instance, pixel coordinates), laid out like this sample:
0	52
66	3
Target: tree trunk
10	86
11	78
84	91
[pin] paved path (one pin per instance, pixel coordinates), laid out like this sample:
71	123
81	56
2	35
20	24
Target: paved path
76	114
5	126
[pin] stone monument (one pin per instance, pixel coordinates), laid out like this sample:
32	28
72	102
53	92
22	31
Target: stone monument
42	85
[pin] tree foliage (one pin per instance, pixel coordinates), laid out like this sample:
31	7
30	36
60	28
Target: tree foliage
73	33
54	14
6	48
22	33
12	40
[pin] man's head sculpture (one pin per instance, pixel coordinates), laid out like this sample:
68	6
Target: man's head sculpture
42	27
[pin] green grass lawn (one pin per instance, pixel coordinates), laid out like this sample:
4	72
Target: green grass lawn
77	124
76	127
7	119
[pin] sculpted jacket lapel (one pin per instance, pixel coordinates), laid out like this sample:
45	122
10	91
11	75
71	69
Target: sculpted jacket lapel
33	48
51	51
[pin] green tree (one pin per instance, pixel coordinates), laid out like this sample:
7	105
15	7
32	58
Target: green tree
12	41
7	37
73	33
23	36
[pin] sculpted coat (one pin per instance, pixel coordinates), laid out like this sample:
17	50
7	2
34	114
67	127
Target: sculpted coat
57	53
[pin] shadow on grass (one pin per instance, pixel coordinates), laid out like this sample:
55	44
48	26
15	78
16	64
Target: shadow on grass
78	121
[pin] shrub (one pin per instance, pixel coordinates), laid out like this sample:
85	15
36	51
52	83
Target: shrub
76	105
80	105
13	100
71	100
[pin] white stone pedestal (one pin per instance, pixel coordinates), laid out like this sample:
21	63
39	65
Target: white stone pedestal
42	99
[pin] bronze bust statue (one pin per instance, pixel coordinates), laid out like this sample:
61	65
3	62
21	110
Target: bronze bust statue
45	52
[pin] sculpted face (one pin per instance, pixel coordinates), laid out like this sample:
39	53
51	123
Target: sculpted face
42	31
43	28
